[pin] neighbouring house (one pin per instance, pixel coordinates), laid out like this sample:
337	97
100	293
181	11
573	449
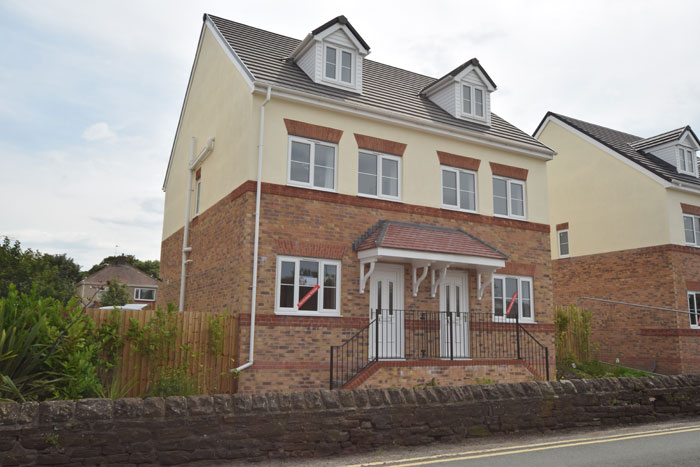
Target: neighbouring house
625	218
370	224
144	288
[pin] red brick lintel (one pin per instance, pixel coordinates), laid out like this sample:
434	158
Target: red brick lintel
692	285
562	226
303	193
518	269
508	171
309	249
380	145
461	162
309	130
690	209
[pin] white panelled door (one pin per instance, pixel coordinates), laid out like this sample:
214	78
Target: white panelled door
386	303
454	300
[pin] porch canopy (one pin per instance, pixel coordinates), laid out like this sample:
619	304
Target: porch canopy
429	249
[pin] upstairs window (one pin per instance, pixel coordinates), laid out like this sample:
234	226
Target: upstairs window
378	175
686	161
339	65
563	243
311	163
691	226
459	189
472	101
509	197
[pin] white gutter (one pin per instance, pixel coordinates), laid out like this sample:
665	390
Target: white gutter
256	240
684	186
408	121
194	162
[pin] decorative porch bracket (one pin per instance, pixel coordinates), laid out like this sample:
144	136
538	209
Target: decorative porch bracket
481	287
364	277
435	284
417	280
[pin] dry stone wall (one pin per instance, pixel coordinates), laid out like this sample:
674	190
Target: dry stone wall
222	428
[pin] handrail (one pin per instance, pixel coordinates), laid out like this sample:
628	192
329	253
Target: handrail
394	334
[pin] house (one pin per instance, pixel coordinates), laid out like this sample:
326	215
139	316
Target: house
626	228
369	225
144	288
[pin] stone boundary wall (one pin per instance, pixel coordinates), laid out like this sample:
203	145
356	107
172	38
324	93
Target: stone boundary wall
221	428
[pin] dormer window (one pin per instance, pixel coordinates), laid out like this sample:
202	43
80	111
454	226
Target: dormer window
472	101
338	64
686	161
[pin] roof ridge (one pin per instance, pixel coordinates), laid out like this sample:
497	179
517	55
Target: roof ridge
356	244
594	124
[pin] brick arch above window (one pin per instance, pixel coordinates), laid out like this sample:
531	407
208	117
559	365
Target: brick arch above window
508	171
380	145
461	162
309	130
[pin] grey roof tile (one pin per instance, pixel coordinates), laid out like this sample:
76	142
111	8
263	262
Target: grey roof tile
384	87
626	145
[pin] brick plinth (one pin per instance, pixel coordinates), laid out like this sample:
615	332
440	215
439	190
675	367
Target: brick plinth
295	219
660	276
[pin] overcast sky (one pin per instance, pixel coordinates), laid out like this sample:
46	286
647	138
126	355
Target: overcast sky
90	91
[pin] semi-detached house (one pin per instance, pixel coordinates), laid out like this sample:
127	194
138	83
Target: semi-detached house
371	226
625	217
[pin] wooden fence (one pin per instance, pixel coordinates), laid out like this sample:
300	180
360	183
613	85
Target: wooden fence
208	370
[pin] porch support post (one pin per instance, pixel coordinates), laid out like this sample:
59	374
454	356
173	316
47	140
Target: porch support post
417	280
435	284
364	277
482	287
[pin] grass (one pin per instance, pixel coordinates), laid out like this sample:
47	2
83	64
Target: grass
597	369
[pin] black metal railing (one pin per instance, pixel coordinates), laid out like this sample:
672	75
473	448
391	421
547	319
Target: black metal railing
421	335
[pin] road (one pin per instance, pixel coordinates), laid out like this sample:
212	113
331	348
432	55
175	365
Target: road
661	444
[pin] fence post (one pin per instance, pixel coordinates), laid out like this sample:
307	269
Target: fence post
451	338
376	334
331	367
546	361
517	332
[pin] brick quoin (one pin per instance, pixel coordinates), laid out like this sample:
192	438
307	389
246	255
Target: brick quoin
656	276
304	222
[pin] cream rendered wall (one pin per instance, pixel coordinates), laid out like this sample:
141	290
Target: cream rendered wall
675	214
219	104
421	182
609	205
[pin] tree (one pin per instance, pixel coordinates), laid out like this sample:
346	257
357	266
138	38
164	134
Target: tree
150	267
53	275
116	294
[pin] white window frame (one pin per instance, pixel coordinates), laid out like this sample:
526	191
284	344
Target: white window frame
312	158
509	182
503	319
295	310
137	294
696	230
338	65
380	156
472	98
696	296
568	242
459	207
197	197
688	157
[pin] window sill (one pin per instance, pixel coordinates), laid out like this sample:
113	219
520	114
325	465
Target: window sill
381	198
458	209
515	218
511	321
310	187
307	314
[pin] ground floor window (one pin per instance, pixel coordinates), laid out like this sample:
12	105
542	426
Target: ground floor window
145	294
504	288
308	286
694	309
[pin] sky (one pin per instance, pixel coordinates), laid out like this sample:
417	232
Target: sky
90	91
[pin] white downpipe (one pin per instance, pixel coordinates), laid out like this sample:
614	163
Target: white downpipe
256	237
186	231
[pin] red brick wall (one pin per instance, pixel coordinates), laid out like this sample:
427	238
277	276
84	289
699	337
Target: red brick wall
294	354
642	338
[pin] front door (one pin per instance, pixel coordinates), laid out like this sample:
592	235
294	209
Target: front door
386	305
454	317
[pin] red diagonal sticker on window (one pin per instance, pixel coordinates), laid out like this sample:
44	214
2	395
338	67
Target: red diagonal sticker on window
512	302
308	295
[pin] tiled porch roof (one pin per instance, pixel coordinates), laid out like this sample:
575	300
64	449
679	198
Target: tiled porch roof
419	237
